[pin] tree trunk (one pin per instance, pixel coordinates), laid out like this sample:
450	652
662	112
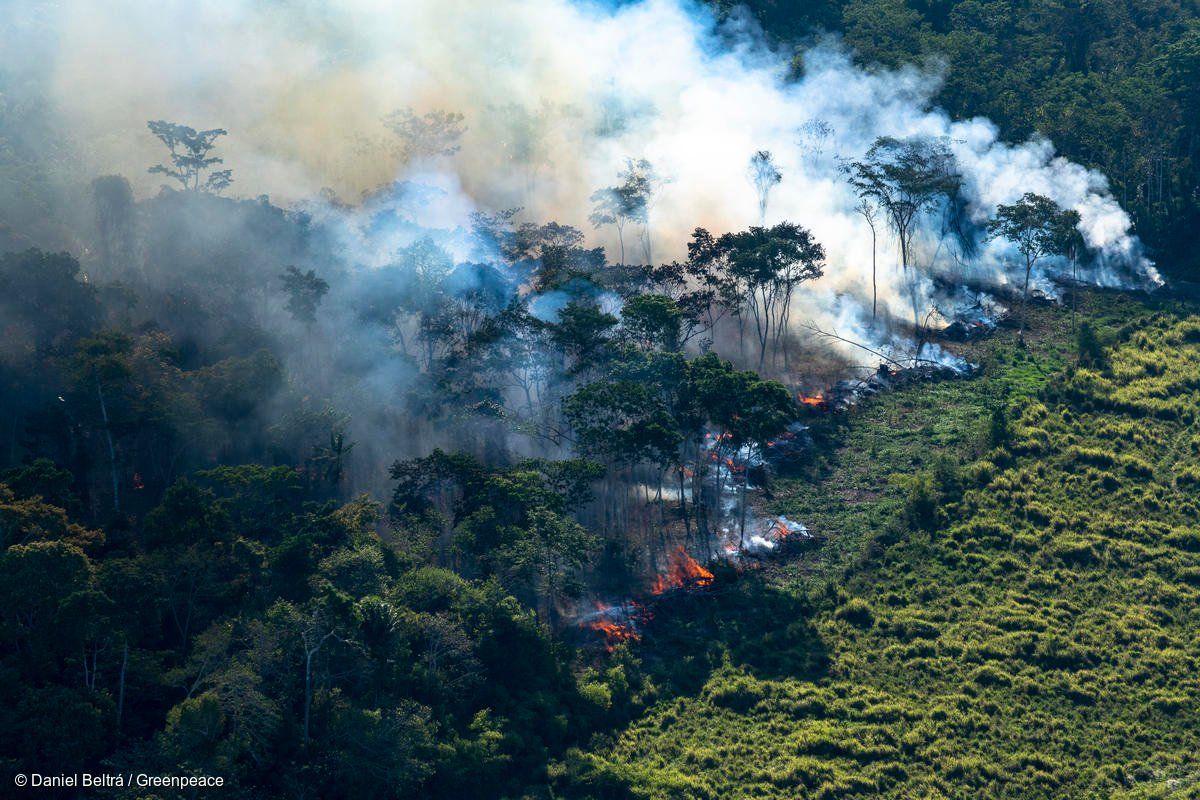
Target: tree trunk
683	512
662	503
698	501
121	684
112	453
1024	302
308	656
1074	289
783	325
551	593
742	509
874	285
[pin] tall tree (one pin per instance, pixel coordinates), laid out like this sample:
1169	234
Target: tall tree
549	556
1038	228
814	136
190	157
1071	245
906	177
716	293
304	292
102	367
765	176
113	199
765	266
628	201
870	211
311	628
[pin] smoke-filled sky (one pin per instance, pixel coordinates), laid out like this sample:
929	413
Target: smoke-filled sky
555	96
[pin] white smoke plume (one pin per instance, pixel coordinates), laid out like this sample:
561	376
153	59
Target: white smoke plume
556	95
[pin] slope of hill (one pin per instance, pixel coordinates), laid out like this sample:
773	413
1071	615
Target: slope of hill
1008	612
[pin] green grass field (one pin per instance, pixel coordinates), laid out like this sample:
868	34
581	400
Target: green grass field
995	613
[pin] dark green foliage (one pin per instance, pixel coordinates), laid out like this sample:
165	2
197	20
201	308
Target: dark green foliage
44	302
653	321
510	524
998	427
582	332
623	421
1088	345
41	478
347	666
252	613
921	508
304	292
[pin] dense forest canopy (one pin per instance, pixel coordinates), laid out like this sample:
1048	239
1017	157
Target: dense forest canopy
365	446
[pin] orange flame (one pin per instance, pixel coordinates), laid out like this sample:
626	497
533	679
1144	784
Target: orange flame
618	625
813	400
682	570
614	633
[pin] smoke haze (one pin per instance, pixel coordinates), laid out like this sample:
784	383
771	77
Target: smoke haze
555	95
556	99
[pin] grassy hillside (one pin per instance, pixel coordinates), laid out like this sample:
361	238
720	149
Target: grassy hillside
1008	612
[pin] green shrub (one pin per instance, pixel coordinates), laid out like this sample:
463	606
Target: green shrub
921	505
990	675
857	612
1187	539
598	694
738	693
1077	550
1188	478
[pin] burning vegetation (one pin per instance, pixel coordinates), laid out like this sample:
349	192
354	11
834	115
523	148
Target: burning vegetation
813	401
683	572
617	625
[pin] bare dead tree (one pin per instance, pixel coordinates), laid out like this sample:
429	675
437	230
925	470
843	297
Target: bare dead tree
869	211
